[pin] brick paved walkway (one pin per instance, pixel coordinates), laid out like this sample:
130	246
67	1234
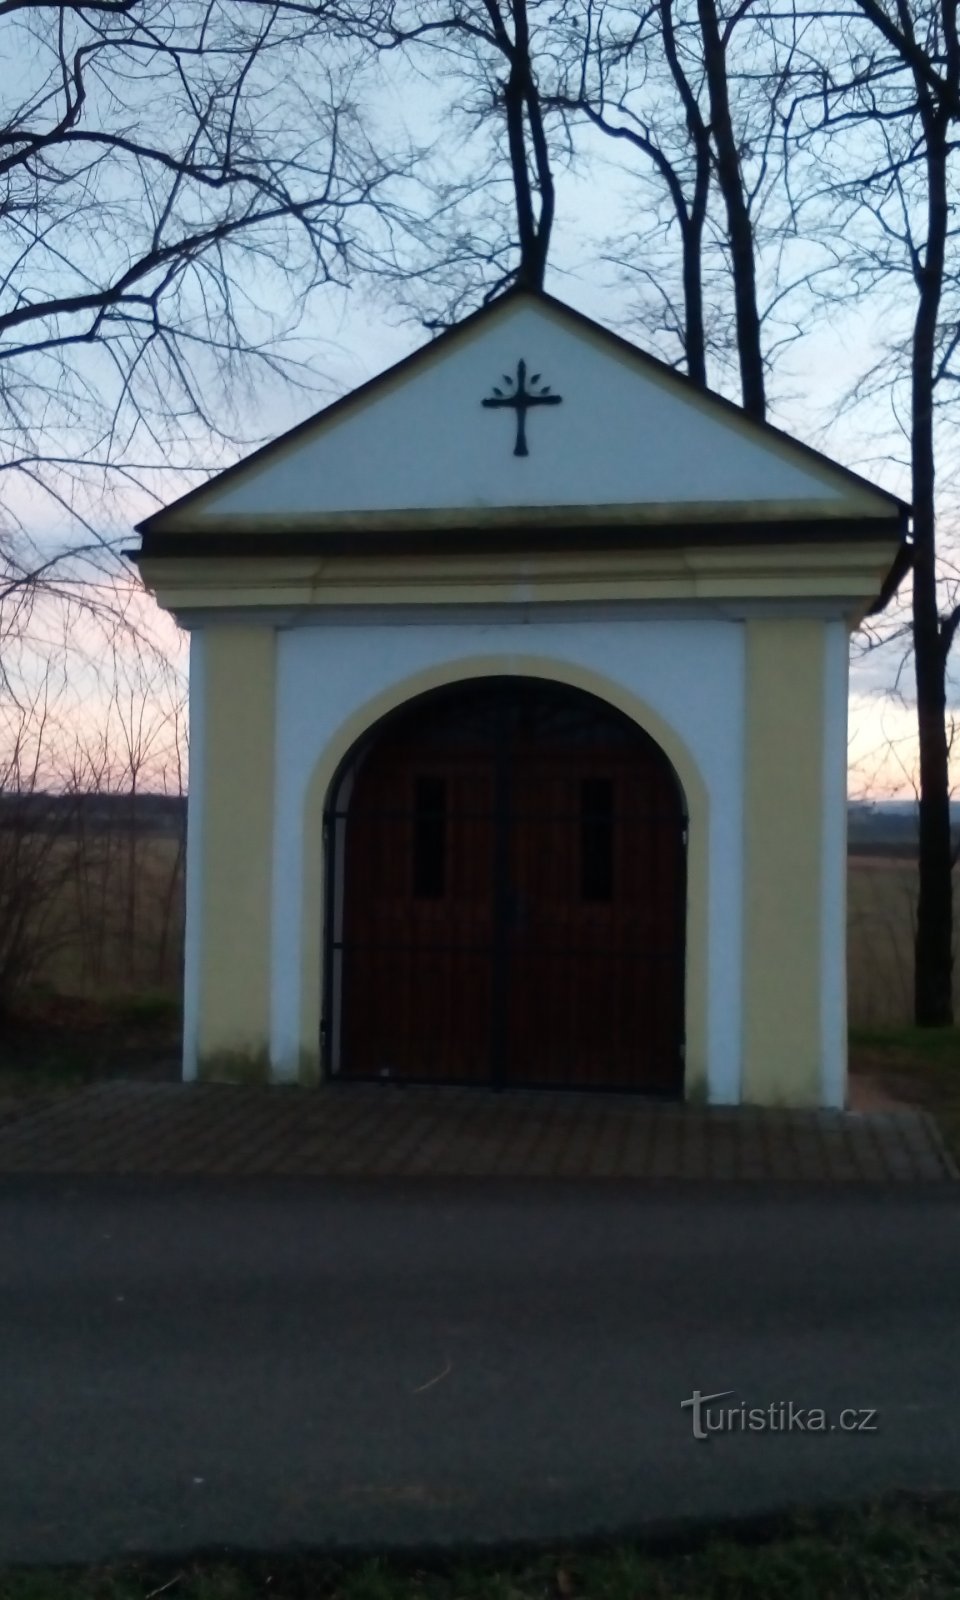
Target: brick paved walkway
369	1131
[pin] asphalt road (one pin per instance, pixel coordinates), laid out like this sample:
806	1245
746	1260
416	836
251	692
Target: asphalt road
265	1364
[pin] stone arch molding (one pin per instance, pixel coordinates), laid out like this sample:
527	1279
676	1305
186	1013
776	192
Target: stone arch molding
442	675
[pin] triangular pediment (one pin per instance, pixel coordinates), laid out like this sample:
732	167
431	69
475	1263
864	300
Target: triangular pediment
612	436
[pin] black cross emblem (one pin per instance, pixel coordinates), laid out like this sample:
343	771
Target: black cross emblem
521	399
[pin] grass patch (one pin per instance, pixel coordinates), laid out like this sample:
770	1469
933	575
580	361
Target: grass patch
50	1041
881	923
143	1010
903	1550
919	1066
910	1045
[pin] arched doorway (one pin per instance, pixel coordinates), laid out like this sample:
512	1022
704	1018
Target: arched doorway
507	896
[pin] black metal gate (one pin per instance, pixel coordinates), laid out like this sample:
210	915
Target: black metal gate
506	896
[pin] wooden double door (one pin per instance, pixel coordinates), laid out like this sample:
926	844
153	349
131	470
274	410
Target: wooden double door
507	905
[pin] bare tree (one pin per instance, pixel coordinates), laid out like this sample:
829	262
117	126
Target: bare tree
692	89
881	118
666	84
472	242
176	178
715	35
595	78
530	169
933	634
36	854
92	730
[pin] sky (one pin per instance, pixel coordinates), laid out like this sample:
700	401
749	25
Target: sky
347	336
358	339
348	339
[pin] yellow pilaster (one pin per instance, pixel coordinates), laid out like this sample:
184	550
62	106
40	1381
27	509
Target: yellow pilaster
238	784
783	862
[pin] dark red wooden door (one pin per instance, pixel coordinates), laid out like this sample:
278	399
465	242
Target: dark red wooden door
596	936
419	918
510	878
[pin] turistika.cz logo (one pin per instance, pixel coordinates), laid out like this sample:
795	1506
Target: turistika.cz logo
780	1416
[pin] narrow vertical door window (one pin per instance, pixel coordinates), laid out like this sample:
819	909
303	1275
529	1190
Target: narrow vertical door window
596	839
429	837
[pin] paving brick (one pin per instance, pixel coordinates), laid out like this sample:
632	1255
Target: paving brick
368	1130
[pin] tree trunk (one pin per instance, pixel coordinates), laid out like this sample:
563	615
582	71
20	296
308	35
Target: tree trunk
933	972
691	220
739	225
523	110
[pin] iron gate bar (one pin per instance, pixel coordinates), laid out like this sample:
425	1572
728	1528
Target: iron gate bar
507	712
407	813
502	898
627	953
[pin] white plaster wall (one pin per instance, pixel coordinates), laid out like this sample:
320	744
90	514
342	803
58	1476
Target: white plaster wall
690	672
620	436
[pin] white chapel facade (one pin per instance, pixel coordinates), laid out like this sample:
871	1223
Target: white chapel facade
518	730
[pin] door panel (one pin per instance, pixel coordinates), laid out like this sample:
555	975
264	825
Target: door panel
418	942
596	935
513	871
